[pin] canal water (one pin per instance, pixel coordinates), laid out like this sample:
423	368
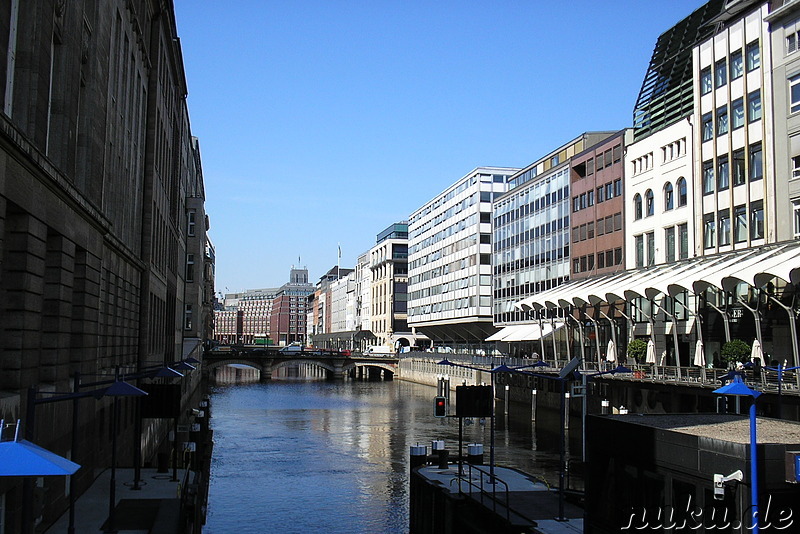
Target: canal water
300	456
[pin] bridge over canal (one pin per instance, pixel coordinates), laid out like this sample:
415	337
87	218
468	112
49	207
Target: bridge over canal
268	359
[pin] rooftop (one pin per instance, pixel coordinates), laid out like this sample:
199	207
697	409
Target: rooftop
725	427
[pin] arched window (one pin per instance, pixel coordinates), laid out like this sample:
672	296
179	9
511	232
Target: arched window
637	206
682	191
649	203
669	198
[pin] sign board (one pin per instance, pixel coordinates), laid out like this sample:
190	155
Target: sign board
163	401
474	401
571	366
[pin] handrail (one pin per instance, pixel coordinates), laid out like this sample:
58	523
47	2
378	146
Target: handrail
483	492
766	380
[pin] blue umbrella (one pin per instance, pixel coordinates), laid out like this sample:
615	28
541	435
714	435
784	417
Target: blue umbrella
21	458
737	387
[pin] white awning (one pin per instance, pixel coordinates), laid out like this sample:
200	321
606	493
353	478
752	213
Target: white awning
752	266
505	332
524	332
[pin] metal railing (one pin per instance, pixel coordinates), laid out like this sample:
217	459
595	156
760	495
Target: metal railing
490	480
764	379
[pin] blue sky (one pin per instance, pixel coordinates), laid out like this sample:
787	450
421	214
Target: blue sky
323	122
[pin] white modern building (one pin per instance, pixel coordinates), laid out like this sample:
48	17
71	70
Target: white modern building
736	202
660	196
450	260
784	23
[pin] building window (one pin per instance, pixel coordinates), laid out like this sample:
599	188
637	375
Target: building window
682	194
794	93
722	120
796	167
190	267
756	171
796	211
708	177
708	127
187	317
737	113
191	223
724	218
639	250
720	73
669	240
649	203
791	42
722	173
738	167
669	199
637	206
709	227
617	188
736	64
705	81
757	220
651	248
683	241
754	106
753	55
739	224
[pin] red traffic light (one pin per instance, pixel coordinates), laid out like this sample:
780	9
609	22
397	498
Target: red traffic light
440	407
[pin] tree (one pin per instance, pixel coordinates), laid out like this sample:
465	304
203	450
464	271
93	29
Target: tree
637	349
735	350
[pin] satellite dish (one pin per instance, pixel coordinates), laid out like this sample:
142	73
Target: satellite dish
571	366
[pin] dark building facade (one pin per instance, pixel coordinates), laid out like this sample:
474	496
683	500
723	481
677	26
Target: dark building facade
97	171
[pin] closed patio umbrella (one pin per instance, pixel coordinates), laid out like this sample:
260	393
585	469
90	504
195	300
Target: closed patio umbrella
651	352
699	354
611	352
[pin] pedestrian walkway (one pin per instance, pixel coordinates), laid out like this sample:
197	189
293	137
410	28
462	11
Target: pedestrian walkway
155	507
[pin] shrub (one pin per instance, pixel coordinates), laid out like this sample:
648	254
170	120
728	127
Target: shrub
735	350
637	349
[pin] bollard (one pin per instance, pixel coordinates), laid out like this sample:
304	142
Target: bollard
419	455
438	450
604	404
475	453
444	459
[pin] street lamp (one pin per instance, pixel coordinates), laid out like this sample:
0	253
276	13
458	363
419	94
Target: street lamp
738	388
33	401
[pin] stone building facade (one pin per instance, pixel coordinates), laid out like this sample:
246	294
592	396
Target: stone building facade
98	173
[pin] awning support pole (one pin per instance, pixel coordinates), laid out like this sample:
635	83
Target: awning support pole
612	324
792	329
596	337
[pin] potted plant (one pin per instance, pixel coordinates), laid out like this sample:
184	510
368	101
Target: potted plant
735	351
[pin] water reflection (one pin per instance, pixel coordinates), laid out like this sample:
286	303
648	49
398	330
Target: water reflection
300	456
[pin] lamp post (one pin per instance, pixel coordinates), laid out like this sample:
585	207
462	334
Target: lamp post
738	388
30	419
116	390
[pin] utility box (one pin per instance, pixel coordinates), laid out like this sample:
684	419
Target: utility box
793	467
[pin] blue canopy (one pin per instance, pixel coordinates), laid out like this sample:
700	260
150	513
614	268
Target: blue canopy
737	387
24	459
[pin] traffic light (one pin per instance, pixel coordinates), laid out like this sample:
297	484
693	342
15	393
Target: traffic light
440	407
